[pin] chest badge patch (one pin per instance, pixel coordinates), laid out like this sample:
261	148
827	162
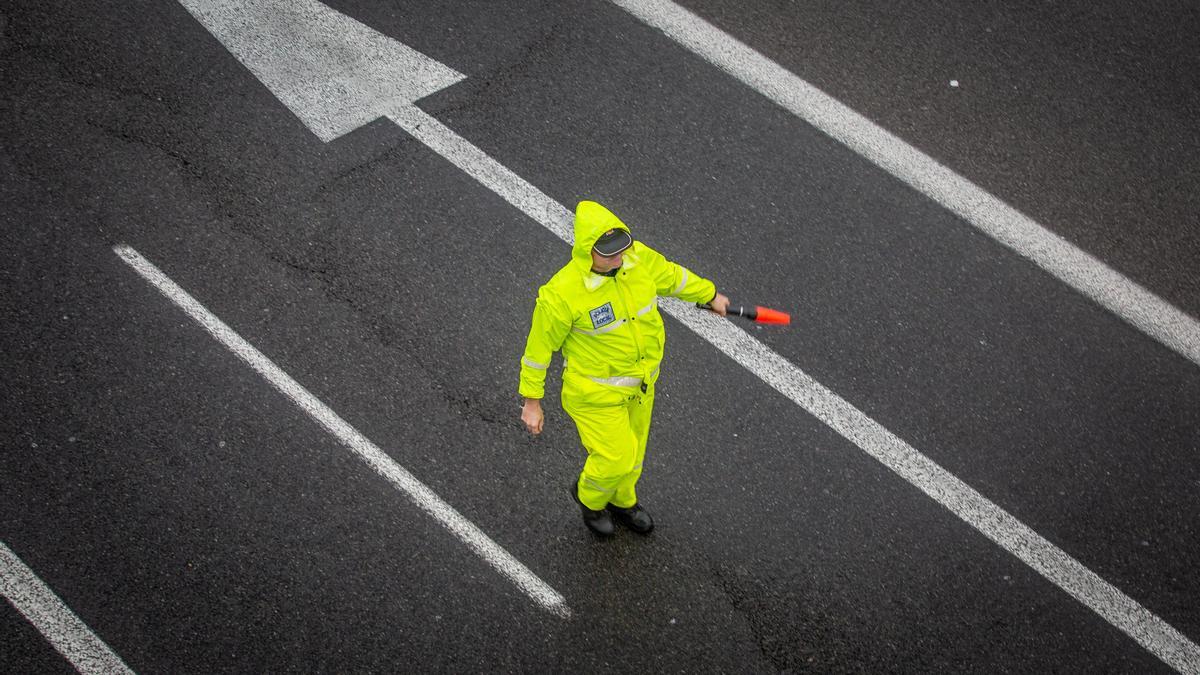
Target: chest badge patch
602	315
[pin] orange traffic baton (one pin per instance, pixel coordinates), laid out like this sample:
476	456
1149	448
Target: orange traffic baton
755	313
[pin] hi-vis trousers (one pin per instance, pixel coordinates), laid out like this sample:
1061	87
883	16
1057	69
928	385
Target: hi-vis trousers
613	423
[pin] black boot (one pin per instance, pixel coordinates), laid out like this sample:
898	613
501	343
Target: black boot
597	521
635	518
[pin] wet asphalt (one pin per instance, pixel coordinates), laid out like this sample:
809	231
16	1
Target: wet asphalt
197	521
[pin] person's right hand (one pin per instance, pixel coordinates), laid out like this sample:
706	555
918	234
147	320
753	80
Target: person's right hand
531	415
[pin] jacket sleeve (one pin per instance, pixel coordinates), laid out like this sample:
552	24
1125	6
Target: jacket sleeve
676	280
549	328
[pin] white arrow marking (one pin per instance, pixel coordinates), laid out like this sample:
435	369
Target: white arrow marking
1070	264
331	71
61	627
1054	564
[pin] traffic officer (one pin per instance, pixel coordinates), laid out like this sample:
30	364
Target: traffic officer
601	310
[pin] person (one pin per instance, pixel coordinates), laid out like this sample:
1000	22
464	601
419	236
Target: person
601	311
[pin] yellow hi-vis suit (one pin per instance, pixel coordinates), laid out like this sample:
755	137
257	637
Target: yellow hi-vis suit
611	336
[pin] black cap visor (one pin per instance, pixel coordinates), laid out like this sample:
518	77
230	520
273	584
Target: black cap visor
613	242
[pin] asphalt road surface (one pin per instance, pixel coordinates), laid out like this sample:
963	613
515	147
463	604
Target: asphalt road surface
195	519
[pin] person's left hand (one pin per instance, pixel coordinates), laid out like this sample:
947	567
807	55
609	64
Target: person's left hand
720	304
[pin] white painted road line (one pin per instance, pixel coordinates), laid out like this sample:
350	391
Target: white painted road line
492	174
234	25
1154	634
1080	270
377	459
60	626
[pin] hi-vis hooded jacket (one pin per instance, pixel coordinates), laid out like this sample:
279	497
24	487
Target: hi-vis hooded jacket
608	328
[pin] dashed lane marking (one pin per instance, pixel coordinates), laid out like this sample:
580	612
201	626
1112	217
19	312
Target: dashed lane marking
60	626
377	459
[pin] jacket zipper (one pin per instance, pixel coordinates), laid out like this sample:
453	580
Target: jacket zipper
637	333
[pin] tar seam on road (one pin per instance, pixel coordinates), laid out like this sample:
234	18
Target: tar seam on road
370	453
60	626
1082	271
1118	609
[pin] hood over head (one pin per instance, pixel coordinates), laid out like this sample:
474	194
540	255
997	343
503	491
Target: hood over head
591	221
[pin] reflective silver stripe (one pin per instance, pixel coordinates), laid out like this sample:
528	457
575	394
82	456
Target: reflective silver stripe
645	309
597	486
534	364
654	374
684	281
618	381
602	330
636	467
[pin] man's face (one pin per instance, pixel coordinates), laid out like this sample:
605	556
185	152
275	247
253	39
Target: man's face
604	264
